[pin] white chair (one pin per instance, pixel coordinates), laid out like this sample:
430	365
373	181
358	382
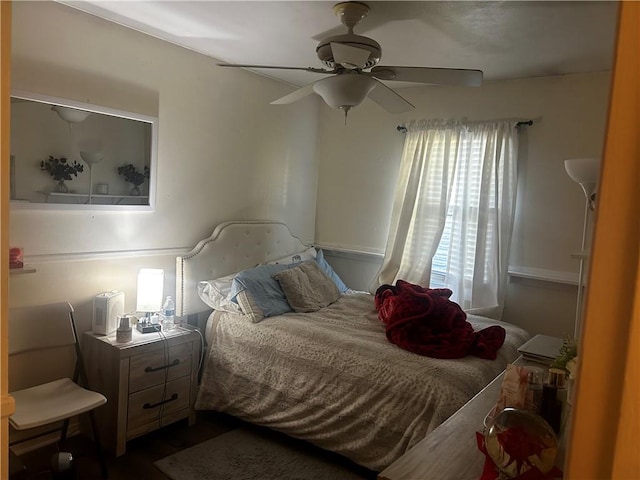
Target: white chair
48	328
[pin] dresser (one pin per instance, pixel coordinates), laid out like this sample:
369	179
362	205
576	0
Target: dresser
450	452
149	382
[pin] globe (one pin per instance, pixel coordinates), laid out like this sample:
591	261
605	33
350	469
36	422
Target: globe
518	440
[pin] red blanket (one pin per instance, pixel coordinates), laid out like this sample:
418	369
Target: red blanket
426	322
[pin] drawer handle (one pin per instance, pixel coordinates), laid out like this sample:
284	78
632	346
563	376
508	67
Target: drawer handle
173	397
172	364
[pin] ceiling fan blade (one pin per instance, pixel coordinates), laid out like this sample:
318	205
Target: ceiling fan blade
306	69
294	96
437	76
389	99
349	57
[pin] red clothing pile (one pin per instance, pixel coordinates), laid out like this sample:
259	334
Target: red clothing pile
426	322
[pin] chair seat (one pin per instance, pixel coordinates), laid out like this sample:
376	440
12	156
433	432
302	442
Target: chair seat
51	402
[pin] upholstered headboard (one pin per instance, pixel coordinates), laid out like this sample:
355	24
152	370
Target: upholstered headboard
232	247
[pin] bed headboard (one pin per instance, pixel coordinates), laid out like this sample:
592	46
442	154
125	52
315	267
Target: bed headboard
233	246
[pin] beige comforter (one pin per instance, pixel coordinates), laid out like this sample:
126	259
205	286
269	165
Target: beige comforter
332	378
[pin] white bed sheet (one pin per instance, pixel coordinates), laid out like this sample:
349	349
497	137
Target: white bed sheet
333	379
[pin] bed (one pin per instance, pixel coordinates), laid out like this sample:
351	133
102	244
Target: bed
328	376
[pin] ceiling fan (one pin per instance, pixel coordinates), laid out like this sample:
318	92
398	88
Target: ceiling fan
355	74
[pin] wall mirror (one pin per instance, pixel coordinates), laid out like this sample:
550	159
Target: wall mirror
72	155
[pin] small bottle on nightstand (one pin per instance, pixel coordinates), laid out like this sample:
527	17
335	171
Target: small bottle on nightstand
167	317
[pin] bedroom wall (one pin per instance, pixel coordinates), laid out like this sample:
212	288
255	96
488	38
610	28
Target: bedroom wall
359	166
223	153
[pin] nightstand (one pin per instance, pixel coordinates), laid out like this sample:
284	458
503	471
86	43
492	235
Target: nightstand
149	382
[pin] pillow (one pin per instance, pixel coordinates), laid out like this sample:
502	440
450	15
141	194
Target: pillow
265	291
306	287
322	263
249	307
309	254
215	293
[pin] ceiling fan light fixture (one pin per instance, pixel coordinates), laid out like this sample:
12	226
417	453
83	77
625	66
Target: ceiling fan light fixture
344	91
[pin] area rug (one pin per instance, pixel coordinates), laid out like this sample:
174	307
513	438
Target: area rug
243	454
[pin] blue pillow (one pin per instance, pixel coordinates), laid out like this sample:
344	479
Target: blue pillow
326	268
264	290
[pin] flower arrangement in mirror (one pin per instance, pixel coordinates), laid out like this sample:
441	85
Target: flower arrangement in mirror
61	169
567	355
133	176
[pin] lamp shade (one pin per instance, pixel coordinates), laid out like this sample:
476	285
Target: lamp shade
150	289
344	91
71	115
585	172
91	157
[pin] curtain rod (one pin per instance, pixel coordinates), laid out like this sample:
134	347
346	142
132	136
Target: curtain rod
524	123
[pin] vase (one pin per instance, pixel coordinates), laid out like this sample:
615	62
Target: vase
61	187
135	191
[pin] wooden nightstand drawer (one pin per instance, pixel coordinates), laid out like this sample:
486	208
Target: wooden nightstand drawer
149	369
150	405
132	375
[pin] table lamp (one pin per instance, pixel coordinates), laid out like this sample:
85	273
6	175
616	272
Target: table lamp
149	297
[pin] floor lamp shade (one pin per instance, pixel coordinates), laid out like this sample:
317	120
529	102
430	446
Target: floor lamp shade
150	289
585	172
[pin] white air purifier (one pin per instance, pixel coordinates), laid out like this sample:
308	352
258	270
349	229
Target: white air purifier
106	308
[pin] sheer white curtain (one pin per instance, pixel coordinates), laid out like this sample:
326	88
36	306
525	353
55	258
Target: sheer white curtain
452	217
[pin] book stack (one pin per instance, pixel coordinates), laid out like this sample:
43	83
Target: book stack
542	349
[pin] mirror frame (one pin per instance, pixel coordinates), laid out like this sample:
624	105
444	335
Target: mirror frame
153	160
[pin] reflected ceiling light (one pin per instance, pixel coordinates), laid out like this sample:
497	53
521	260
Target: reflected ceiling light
344	91
70	115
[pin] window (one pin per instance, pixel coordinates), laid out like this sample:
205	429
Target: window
452	218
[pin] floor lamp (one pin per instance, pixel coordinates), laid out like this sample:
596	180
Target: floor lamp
585	172
91	158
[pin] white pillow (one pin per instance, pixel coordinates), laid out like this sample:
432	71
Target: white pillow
309	254
215	294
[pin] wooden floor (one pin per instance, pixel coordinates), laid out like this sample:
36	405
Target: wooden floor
142	452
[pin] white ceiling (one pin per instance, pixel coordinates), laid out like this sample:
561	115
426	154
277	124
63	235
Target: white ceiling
504	39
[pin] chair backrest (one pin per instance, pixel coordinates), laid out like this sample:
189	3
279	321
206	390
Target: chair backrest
40	327
42	345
